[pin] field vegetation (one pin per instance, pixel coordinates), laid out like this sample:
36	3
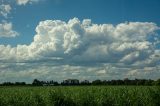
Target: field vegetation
80	96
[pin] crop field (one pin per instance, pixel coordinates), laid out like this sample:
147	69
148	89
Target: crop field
80	96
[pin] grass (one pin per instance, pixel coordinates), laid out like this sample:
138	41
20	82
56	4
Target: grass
80	96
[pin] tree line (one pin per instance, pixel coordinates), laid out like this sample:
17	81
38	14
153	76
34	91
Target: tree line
126	81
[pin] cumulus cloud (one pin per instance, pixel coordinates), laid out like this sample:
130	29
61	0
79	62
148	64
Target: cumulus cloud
24	2
126	48
5	10
6	30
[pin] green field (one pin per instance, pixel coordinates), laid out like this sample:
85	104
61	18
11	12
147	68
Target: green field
80	96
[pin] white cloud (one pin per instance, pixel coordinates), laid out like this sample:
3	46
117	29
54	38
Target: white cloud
82	45
101	72
24	2
5	10
89	42
6	30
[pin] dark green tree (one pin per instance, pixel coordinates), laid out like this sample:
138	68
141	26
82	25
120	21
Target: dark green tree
36	82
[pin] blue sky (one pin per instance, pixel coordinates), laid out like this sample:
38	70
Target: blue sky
120	38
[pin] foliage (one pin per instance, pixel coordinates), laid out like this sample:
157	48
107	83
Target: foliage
126	81
80	96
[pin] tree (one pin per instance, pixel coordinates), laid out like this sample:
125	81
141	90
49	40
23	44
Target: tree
37	82
20	83
97	82
157	82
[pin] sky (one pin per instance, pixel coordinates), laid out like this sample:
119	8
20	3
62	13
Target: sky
82	39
